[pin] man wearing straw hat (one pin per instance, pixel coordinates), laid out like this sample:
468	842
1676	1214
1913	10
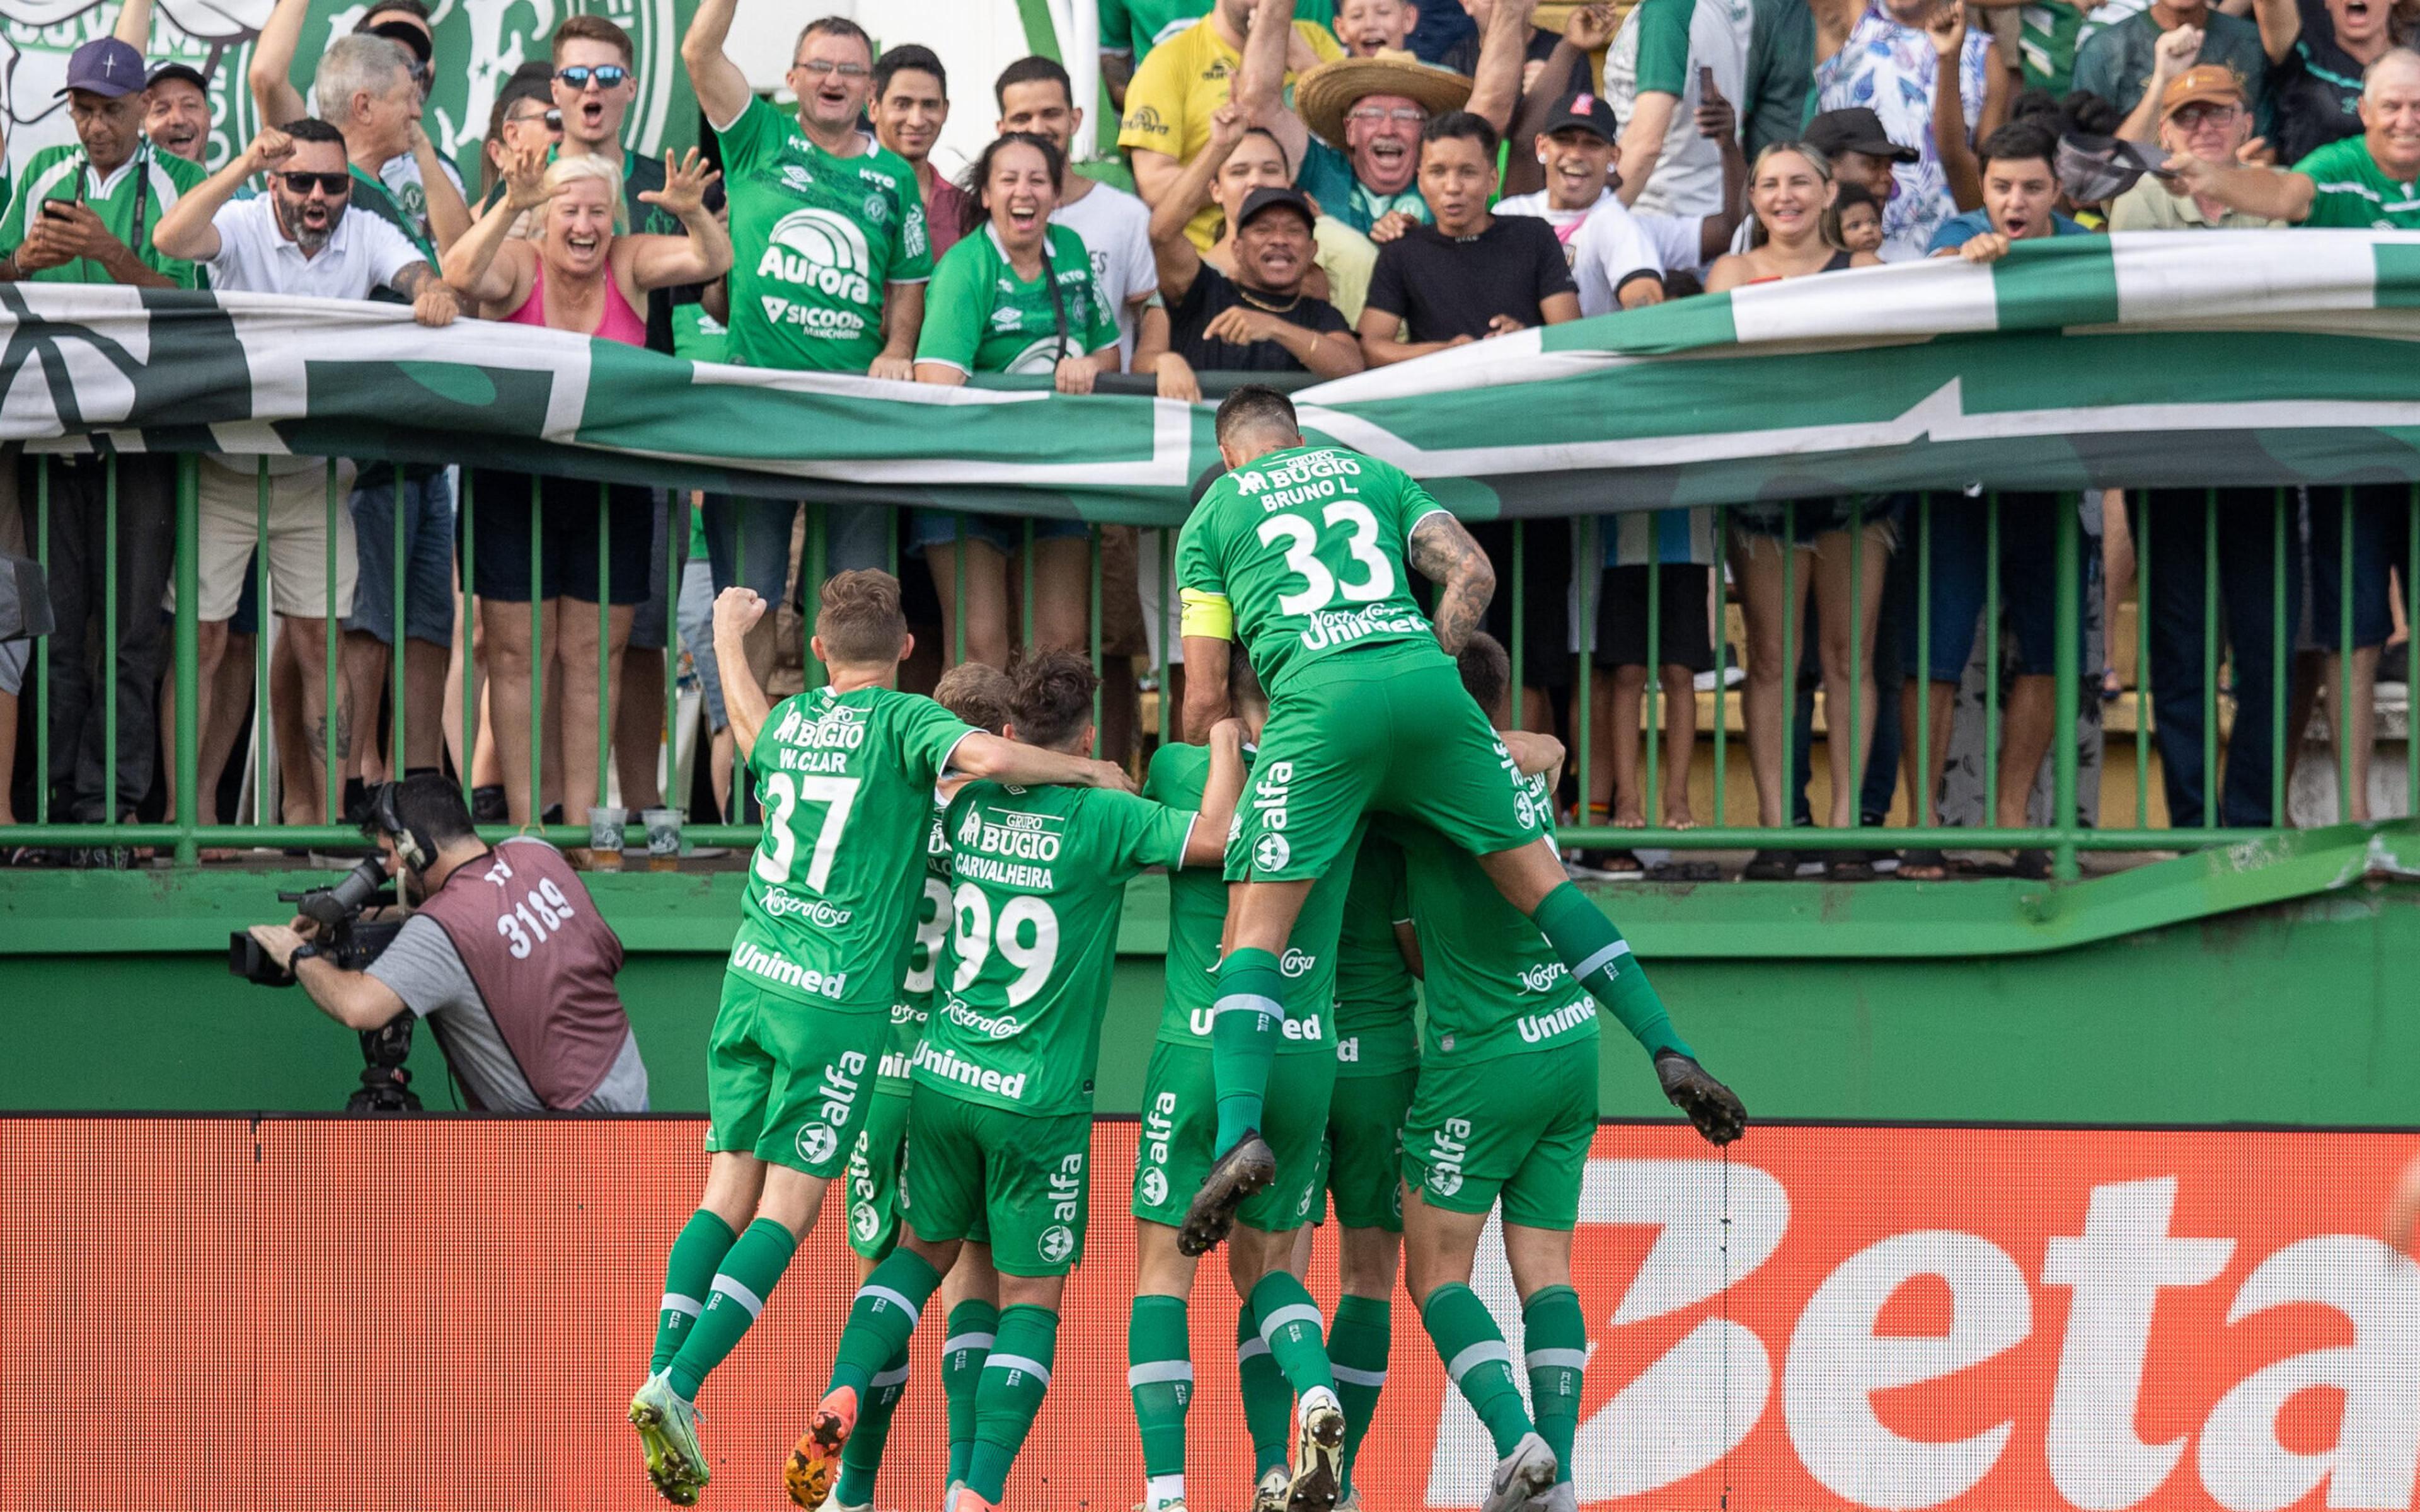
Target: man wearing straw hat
1362	153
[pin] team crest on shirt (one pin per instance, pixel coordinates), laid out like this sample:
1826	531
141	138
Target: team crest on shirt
877	210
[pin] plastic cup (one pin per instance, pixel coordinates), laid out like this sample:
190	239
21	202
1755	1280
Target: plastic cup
605	827
664	839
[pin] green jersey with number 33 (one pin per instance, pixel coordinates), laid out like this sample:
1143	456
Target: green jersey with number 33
1301	555
847	781
1040	878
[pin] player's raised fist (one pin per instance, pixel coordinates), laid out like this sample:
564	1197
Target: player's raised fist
1714	1108
736	610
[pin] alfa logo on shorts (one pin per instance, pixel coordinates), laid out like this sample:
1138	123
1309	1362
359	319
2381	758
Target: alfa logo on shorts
1270	852
864	1224
1057	1241
1154	1186
816	1143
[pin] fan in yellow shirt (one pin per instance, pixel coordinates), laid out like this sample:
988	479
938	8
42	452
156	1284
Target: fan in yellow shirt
1186	78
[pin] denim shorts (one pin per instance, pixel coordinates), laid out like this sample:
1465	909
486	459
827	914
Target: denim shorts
1002	533
427	556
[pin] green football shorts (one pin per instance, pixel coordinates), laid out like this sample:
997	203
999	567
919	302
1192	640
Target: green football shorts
1365	1142
1516	1126
789	1082
1180	1122
1390	728
971	1165
874	1175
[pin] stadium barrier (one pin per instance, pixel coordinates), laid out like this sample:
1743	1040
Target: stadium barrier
276	1313
2068	827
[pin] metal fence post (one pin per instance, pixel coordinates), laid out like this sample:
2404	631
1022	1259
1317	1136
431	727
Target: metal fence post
2069	648
189	656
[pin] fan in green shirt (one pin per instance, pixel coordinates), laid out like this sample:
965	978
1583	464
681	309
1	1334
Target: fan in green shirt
2366	181
83	214
828	226
1018	296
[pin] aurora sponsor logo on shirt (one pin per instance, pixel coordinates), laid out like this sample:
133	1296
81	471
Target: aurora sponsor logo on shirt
822	250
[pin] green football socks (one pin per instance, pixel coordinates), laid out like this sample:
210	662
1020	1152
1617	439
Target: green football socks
861	1456
1268	1402
1555	1336
881	1318
1290	1325
1248	1022
972	1325
1600	961
1014	1380
1475	1357
688	1275
1160	1378
755	1261
1357	1343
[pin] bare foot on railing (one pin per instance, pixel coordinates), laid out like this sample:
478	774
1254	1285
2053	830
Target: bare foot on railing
1677	814
1629	813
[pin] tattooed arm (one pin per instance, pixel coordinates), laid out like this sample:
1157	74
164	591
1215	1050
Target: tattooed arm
1444	553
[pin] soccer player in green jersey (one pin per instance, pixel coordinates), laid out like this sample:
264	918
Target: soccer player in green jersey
1506	1107
1306	554
848	772
999	1122
1180	1116
979	695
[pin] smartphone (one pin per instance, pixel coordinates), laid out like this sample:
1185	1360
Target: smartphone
56	208
1705	82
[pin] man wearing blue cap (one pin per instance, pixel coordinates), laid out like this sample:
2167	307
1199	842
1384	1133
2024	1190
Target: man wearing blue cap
83	214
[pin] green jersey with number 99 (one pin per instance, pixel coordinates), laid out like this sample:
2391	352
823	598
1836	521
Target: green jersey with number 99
1301	555
846	782
1040	878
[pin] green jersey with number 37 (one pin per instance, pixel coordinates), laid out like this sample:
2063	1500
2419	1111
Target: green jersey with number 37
1040	878
847	781
1301	555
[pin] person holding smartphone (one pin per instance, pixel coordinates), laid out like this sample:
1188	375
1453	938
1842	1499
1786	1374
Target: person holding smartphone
82	213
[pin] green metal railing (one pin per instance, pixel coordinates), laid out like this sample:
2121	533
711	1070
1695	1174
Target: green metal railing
2064	835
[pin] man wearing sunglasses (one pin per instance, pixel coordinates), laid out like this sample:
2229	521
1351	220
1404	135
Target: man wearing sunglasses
299	238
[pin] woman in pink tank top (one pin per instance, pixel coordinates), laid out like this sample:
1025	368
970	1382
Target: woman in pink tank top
576	274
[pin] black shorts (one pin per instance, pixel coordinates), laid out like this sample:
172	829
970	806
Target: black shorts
1683	639
1547	552
496	520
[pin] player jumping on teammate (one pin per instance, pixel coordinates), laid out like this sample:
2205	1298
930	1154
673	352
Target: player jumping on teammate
846	772
999	1117
1305	552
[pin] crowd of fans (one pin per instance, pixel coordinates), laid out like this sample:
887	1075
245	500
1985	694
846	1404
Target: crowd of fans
1320	188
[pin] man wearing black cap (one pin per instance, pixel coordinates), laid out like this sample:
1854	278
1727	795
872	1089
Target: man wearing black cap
1259	321
177	105
83	214
1617	256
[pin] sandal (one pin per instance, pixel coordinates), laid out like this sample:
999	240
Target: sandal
1931	863
2031	865
1771	866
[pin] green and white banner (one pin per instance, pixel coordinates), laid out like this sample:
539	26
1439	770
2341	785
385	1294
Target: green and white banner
2185	359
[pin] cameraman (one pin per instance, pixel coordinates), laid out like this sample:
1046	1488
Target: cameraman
502	953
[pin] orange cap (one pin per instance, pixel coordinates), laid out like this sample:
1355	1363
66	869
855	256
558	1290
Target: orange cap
2206	82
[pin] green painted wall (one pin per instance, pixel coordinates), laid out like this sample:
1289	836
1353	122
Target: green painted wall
1966	1000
